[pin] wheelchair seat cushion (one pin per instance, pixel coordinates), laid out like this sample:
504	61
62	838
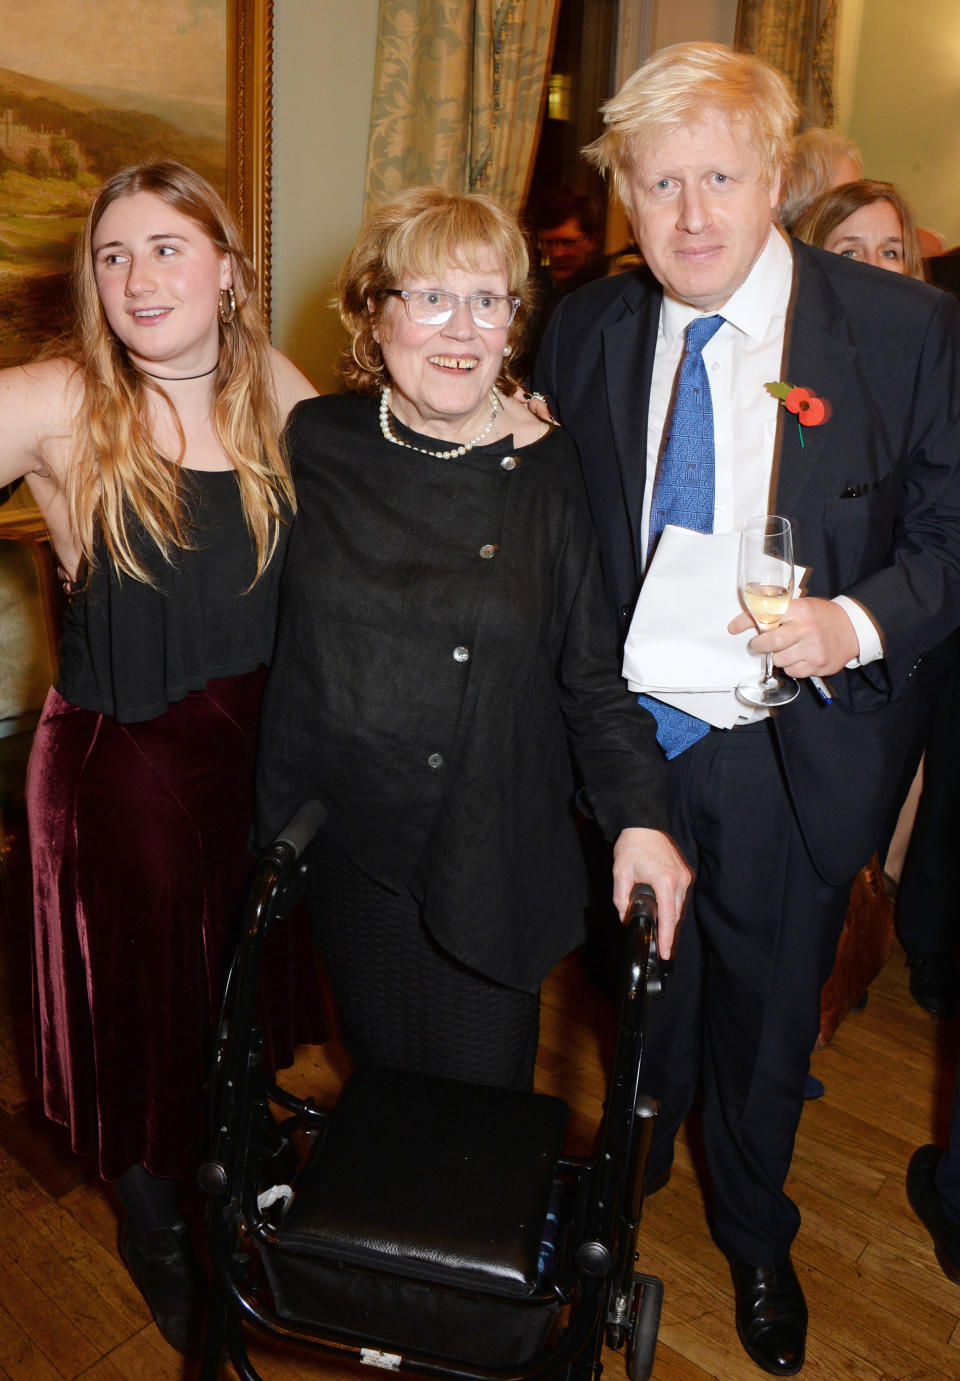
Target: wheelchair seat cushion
420	1214
434	1178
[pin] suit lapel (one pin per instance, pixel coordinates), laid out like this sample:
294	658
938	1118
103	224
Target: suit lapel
628	350
819	355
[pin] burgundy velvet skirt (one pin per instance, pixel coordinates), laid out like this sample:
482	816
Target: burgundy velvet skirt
139	839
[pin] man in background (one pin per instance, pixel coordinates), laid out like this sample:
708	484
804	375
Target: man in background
568	227
818	159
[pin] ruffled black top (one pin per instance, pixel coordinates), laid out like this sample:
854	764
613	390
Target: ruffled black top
130	649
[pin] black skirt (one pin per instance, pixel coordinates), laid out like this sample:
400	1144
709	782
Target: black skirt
403	1002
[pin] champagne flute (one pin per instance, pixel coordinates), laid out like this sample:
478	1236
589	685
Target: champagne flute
765	580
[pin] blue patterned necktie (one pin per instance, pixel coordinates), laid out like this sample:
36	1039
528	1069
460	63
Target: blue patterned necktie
683	494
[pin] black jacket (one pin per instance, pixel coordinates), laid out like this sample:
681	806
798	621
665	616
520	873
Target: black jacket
873	496
443	645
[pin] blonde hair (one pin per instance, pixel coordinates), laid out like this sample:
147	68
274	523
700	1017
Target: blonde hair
811	169
119	482
420	233
676	88
833	207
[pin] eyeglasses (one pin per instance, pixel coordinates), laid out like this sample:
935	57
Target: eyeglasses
552	242
432	307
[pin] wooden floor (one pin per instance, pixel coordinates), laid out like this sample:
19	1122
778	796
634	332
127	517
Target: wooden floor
880	1309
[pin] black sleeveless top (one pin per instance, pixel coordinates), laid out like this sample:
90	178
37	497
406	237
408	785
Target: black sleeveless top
130	649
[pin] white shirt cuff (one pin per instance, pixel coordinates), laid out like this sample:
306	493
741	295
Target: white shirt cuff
871	648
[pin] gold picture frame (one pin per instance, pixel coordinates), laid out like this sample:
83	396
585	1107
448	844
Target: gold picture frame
250	131
59	157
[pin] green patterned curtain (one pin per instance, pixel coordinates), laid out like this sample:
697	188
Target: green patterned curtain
799	38
459	95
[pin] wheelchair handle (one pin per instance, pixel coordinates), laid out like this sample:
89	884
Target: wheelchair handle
643	901
642	912
299	832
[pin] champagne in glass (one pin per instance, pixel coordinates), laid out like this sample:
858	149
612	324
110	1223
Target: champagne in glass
766	588
766	604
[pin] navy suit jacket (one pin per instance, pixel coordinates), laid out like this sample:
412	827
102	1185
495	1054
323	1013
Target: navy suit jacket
873	495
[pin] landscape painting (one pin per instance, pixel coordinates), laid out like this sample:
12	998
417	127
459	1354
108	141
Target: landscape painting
87	89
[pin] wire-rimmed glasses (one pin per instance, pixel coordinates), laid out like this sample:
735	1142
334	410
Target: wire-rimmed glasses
435	307
549	244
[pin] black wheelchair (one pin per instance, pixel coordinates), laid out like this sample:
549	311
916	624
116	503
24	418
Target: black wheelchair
423	1225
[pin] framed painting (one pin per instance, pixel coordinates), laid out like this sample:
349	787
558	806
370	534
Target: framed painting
87	89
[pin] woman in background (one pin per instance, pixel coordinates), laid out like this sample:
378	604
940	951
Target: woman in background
151	440
867	221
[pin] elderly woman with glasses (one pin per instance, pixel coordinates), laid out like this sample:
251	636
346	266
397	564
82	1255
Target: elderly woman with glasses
445	677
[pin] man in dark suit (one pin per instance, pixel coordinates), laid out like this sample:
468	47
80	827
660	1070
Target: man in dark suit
944	270
778	813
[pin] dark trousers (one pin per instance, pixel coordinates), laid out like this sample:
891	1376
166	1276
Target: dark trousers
948	1170
742	1008
928	909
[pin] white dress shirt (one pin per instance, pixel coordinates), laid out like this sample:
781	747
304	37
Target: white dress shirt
745	354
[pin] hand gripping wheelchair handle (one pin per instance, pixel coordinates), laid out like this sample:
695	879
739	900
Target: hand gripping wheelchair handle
641	919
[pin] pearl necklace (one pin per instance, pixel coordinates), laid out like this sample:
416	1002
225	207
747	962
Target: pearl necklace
437	455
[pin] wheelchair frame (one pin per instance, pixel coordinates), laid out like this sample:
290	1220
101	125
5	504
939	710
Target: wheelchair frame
601	1294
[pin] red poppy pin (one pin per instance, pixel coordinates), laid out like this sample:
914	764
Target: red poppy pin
807	407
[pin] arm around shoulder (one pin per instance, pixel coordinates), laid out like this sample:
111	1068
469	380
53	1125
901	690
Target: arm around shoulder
37	405
292	386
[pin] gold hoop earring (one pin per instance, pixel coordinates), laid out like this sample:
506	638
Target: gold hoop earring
361	347
227	313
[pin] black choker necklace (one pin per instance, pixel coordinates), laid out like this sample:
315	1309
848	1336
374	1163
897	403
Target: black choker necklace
181	378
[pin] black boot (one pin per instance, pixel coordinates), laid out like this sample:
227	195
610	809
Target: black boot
165	1270
934	985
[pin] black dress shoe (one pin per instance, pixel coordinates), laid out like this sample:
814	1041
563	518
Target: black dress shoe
655	1182
771	1316
927	1203
934	985
166	1273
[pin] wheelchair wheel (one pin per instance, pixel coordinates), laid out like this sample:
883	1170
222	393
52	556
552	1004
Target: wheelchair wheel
644	1326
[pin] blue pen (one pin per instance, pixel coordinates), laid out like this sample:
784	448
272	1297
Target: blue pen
822	689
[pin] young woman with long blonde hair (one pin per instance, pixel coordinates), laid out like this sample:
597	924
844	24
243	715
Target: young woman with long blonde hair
151	439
